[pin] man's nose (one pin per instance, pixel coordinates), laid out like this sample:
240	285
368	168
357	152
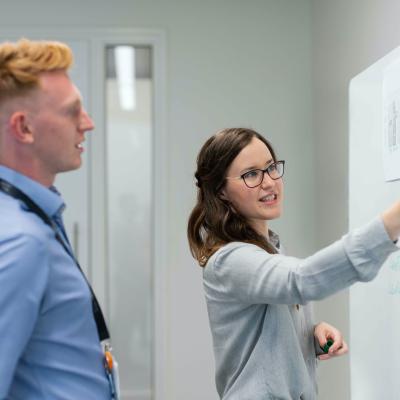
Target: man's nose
87	123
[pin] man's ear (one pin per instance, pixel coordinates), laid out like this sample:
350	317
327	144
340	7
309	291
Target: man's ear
20	128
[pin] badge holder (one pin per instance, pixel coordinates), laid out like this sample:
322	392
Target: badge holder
111	368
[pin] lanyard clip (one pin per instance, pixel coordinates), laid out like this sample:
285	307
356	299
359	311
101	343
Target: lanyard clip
111	368
108	360
108	357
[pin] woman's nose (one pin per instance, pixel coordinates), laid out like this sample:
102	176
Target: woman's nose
267	180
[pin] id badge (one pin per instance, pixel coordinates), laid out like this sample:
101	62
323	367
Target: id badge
111	368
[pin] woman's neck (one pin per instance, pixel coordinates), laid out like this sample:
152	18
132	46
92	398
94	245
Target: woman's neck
261	227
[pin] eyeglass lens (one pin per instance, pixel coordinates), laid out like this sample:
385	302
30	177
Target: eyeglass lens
254	177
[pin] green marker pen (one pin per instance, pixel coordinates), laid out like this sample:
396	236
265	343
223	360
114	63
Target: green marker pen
328	344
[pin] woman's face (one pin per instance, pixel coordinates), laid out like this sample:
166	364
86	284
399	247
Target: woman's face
258	204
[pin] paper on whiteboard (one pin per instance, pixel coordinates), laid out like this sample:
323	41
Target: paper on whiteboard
391	122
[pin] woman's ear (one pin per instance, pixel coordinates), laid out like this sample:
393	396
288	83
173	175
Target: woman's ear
222	195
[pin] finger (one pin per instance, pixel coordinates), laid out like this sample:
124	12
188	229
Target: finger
345	346
339	353
342	350
335	347
324	357
337	343
323	336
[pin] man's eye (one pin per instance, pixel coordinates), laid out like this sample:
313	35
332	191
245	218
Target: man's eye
74	111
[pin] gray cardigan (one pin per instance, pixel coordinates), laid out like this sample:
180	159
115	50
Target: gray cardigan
263	345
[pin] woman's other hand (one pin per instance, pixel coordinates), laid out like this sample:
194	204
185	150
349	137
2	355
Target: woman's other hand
323	332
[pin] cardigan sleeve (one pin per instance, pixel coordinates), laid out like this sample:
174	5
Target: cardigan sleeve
249	274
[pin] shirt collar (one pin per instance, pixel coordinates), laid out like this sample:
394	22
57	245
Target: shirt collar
48	199
274	239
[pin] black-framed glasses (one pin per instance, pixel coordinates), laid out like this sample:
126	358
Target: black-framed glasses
254	177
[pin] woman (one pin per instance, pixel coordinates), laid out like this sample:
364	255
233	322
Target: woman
265	341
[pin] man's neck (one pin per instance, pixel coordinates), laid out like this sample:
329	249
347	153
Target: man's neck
30	171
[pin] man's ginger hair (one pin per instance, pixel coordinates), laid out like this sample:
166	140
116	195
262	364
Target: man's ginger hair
21	64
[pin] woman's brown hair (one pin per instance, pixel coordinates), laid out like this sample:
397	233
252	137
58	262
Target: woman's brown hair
212	222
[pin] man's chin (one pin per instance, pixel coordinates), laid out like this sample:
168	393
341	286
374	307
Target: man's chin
71	167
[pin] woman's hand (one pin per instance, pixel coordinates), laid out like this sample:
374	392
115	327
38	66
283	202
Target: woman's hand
391	220
322	333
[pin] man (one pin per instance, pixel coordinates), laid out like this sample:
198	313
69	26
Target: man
49	344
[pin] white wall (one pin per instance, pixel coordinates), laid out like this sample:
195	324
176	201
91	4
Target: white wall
348	36
229	63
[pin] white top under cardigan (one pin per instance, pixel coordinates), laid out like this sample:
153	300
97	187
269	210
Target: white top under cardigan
263	345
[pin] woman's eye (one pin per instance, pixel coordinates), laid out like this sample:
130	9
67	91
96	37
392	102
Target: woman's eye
251	174
272	168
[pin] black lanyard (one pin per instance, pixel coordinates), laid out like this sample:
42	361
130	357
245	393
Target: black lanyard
12	191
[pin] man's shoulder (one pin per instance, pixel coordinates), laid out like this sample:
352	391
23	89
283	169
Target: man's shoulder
15	220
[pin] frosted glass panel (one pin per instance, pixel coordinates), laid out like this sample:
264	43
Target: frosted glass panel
129	191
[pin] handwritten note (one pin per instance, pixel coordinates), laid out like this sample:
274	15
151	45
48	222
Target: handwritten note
391	122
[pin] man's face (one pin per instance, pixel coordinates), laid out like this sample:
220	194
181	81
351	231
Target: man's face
58	126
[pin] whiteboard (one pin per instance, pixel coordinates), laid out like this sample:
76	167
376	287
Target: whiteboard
374	306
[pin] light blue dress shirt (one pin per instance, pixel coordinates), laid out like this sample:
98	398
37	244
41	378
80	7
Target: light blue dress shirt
49	345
